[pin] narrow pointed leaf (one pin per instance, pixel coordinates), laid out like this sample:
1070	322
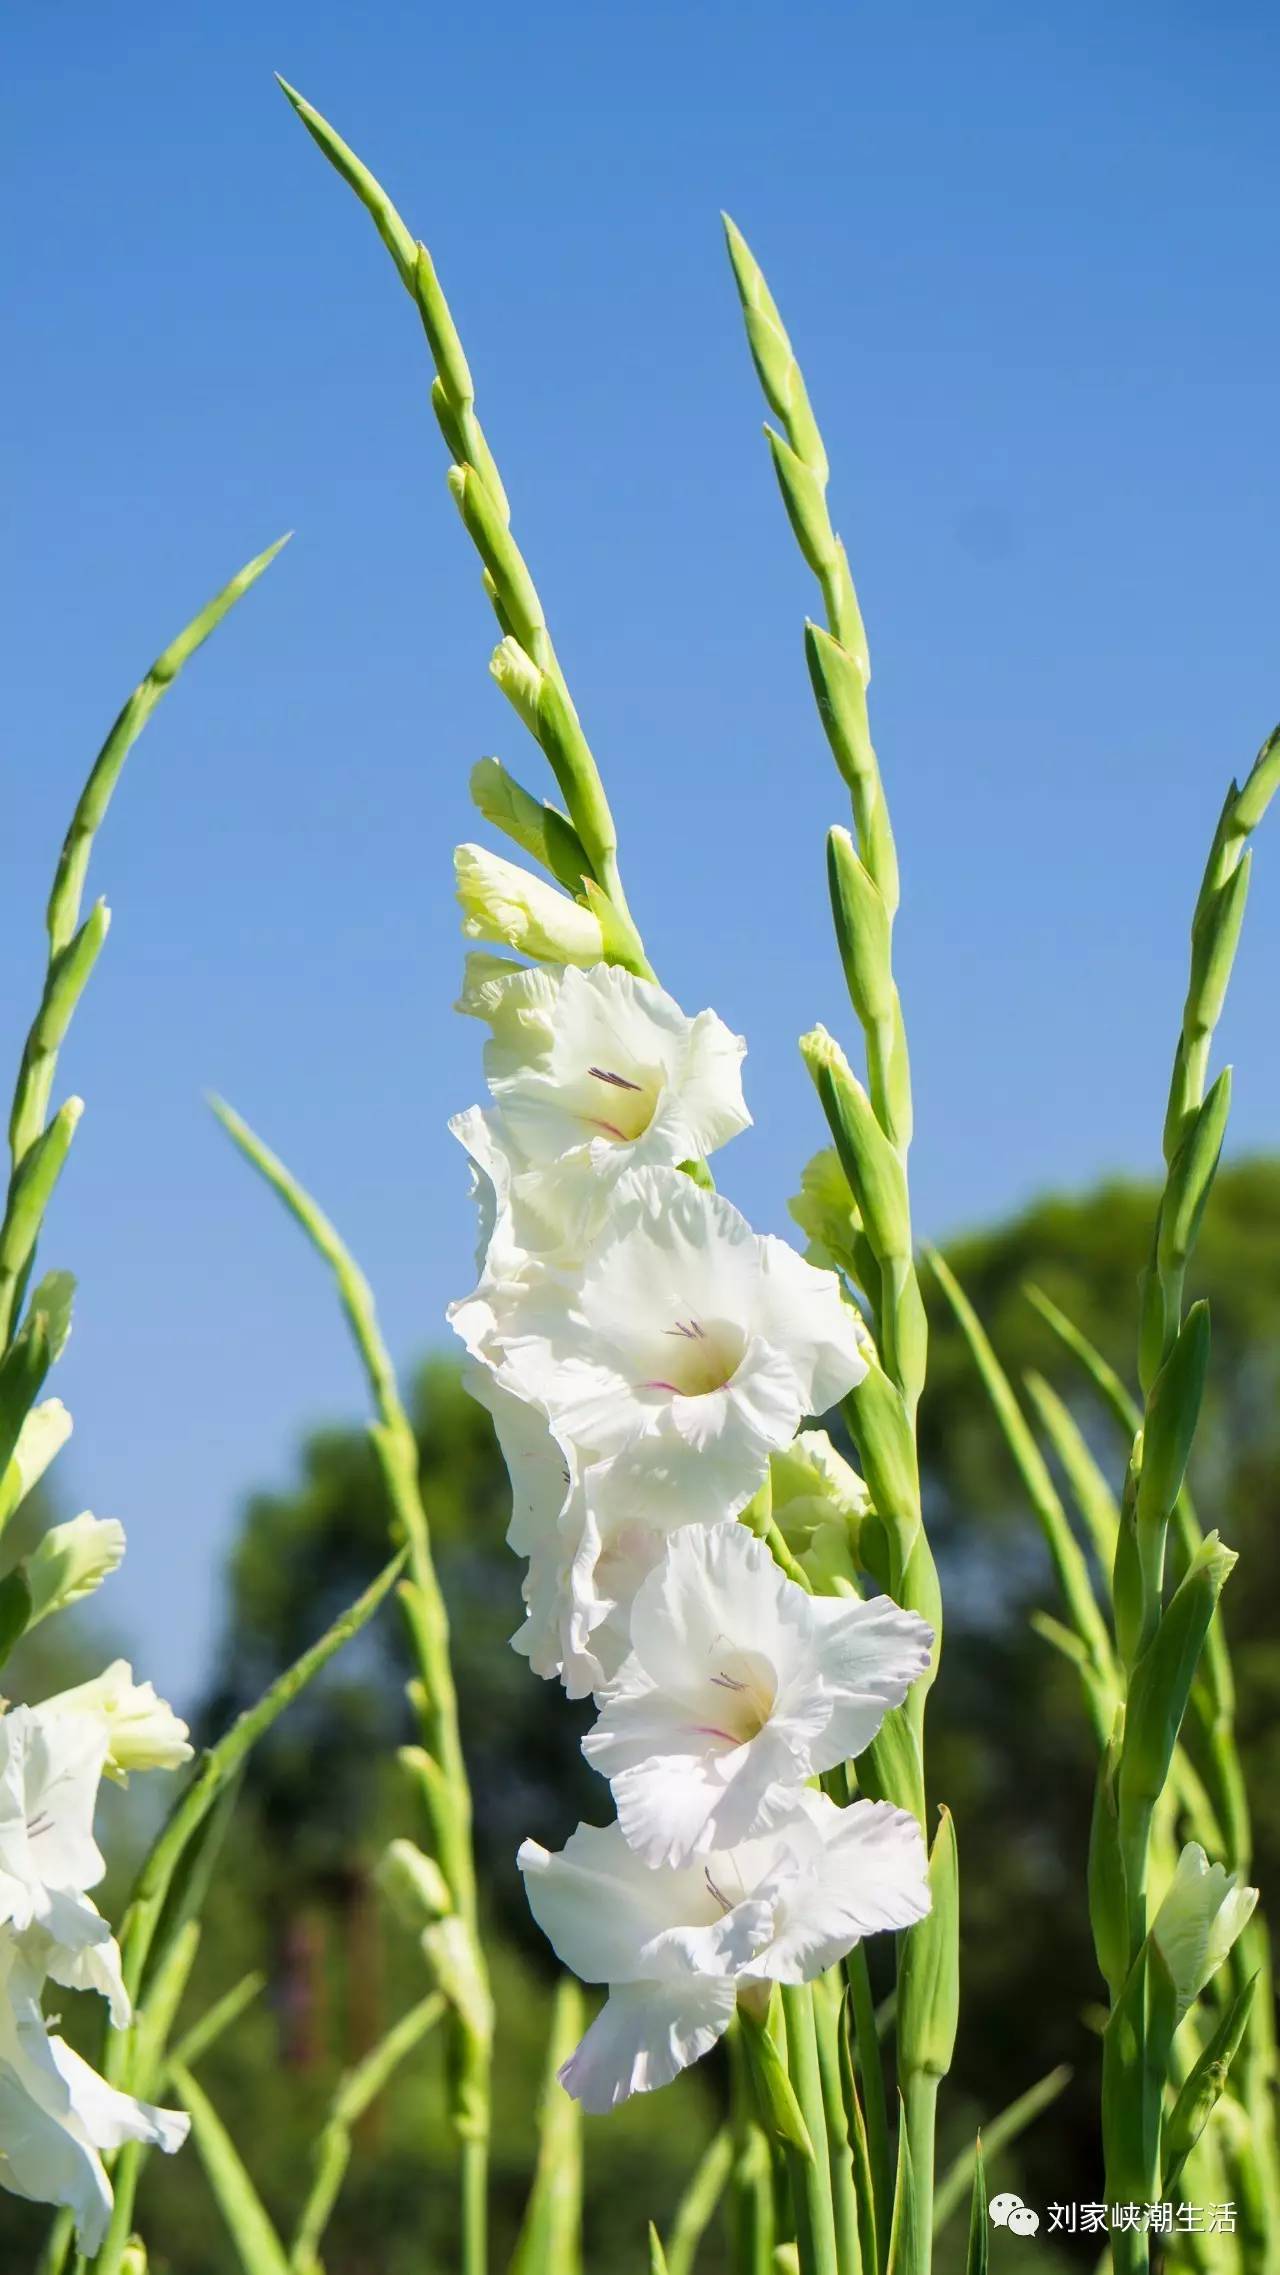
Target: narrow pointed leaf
257	2245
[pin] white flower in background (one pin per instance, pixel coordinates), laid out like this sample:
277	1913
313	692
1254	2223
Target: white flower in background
685	1350
674	1946
70	1562
738	1688
50	1770
592	1073
139	1730
57	2116
503	902
1203	1912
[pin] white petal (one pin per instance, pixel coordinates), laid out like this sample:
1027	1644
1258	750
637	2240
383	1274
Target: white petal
47	2163
870	1874
869	1655
739	1686
676	1802
644	2035
63	1758
1203	1911
803	1312
56	2114
627	1075
602	1910
74	1946
716	1584
684	1353
109	2118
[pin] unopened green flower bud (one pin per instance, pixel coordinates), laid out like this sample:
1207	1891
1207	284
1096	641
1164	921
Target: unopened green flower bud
804	497
825	1210
1215	935
413	1884
772	352
829	1561
32	1186
519	679
862	930
812	1484
886	1448
538	830
1191	1177
1108	1903
1170	1426
133	2259
1203	1912
502	902
513	585
1161	1683
780	2112
929	1977
72	1561
839	671
442	333
875	1173
450	1950
44	1432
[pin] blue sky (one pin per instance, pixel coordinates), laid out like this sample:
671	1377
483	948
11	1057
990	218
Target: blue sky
1028	257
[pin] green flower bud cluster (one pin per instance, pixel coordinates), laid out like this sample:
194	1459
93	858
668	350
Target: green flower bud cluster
578	846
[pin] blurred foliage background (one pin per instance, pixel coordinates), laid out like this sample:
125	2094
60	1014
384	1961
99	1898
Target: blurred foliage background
295	1897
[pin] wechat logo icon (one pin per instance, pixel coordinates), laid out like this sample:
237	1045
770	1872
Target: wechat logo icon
1009	2211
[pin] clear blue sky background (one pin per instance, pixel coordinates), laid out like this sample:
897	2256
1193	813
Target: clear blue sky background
1029	257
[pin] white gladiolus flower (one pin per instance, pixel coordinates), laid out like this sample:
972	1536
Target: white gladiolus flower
1204	1910
737	1689
622	1077
70	1562
675	1945
593	1073
684	1351
503	902
50	1770
139	1730
57	2115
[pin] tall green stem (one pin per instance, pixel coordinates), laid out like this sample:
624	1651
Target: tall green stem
811	2186
872	1128
454	1945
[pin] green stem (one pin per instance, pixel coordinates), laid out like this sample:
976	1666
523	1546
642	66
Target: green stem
442	1775
920	2103
753	2211
871	2077
827	2026
74	947
810	2176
